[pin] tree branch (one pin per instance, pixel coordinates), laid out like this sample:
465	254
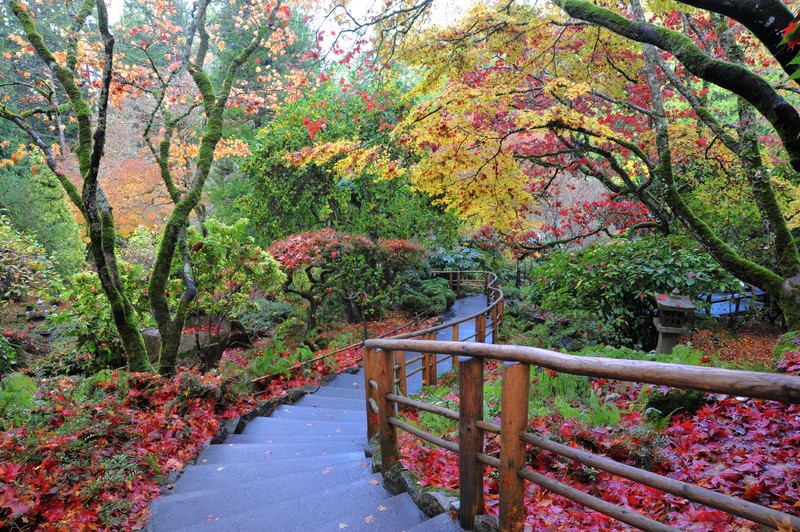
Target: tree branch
742	82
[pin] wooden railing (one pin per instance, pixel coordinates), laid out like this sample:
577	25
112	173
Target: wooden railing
385	374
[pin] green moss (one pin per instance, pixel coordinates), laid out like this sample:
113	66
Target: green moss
17	398
786	343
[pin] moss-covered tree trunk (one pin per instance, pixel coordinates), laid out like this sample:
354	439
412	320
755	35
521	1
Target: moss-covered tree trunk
171	322
90	201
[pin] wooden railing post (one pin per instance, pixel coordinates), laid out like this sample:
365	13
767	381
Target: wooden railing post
384	362
494	324
429	373
470	379
433	365
455	339
370	375
513	423
400	362
480	328
501	308
426	370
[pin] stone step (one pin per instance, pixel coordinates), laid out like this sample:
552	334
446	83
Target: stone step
328	441
348	381
344	393
440	523
223	510
319	413
343	403
394	515
257	452
268	427
359	513
301	438
321	468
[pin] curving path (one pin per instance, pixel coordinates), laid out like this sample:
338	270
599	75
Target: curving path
301	469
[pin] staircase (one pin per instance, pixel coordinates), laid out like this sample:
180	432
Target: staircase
302	469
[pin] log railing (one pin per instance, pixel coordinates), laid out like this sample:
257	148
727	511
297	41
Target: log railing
385	393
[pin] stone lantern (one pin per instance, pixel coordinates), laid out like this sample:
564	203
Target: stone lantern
674	310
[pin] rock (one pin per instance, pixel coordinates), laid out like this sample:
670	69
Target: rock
486	523
152	343
396	480
226	430
434	502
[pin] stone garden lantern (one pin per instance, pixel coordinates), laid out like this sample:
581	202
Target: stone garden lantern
674	310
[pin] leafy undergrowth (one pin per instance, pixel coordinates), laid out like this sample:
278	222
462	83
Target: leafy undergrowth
748	449
750	346
93	451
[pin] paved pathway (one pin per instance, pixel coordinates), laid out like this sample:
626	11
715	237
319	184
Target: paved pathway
463	307
301	469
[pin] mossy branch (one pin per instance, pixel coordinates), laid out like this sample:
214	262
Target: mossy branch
759	92
87	6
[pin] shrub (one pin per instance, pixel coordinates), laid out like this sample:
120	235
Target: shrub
228	267
612	286
264	316
664	405
25	269
429	296
277	359
456	258
89	322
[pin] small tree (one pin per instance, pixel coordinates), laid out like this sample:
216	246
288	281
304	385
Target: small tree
362	272
228	267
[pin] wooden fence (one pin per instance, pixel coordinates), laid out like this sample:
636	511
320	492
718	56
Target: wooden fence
385	370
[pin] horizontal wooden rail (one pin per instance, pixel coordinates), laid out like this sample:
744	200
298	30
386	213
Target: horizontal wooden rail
777	387
624	515
517	361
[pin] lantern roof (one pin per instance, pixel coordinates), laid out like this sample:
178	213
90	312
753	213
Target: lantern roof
674	301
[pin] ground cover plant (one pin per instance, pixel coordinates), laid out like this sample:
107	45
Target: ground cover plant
746	448
90	453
